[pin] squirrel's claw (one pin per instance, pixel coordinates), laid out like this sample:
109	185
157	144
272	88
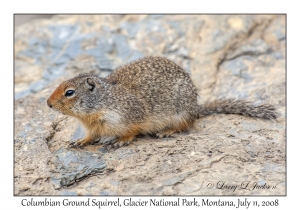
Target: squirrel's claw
117	144
75	145
166	133
72	145
121	142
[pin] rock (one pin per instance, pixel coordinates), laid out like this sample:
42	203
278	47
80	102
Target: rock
130	28
123	48
22	94
78	134
104	63
61	34
174	180
68	193
75	165
38	86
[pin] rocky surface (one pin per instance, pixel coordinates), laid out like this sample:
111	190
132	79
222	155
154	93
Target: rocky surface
228	56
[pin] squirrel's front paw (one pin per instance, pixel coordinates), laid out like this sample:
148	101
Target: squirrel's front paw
76	145
81	143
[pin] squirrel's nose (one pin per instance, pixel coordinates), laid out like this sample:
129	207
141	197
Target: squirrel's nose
49	104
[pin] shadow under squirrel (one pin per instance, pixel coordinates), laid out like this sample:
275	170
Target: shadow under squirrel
152	95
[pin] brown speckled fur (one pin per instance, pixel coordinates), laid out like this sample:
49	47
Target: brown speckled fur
151	95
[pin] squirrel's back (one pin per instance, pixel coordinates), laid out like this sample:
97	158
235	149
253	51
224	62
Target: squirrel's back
163	86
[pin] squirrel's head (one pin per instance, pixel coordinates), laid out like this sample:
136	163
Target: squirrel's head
78	96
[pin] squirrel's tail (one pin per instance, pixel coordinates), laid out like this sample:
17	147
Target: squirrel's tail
231	106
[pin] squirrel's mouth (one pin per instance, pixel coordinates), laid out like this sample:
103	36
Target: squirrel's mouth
57	110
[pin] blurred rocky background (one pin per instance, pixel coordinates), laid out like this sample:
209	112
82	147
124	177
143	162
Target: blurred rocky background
227	56
21	19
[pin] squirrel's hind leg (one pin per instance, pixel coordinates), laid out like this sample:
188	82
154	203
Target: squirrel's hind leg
177	127
127	138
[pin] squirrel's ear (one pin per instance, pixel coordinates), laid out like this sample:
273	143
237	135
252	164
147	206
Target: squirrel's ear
90	84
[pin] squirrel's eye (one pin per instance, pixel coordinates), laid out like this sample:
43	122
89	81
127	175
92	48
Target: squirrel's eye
69	92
